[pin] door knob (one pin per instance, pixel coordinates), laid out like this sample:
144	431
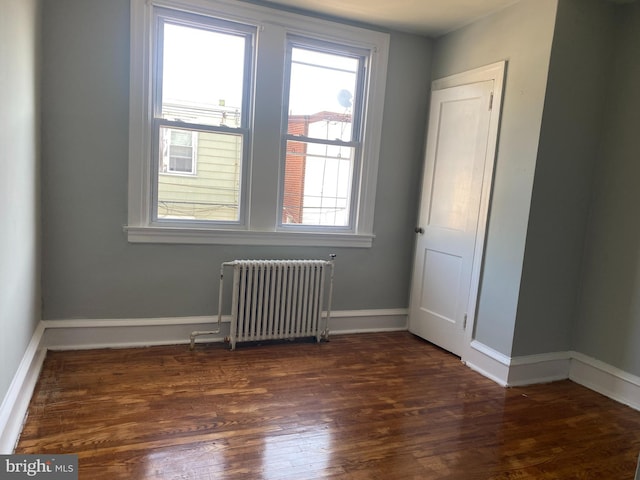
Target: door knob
419	230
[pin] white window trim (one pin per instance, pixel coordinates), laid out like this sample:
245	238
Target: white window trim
256	231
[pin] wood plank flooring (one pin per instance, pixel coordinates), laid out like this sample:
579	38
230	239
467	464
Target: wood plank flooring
367	406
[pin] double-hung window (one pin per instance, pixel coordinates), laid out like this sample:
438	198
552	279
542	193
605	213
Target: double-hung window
200	98
252	126
322	139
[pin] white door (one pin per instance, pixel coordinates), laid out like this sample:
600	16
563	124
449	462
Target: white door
454	175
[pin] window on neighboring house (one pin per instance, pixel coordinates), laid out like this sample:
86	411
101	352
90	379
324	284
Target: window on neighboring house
178	149
251	125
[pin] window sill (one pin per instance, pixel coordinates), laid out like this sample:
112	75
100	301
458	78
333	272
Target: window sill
204	236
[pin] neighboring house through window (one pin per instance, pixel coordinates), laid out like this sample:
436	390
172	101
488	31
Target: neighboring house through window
239	112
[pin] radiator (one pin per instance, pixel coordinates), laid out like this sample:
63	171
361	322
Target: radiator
277	299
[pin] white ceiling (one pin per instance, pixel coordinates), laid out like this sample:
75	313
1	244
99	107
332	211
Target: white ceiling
426	17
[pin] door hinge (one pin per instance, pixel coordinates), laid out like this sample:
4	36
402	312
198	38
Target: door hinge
491	102
464	322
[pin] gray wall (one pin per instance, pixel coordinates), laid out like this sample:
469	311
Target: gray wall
562	265
19	183
89	269
521	34
569	140
608	324
552	135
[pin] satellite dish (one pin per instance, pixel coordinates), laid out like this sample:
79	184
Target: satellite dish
344	98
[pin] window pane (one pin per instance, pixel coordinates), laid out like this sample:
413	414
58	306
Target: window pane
322	89
181	138
212	191
317	184
179	151
202	76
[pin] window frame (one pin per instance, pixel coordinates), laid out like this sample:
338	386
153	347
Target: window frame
163	16
308	43
260	222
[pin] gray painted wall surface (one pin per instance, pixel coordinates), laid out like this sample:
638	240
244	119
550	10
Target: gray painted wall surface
19	184
550	139
89	269
521	34
569	140
608	326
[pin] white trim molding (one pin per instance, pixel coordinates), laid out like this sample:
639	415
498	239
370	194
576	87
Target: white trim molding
85	334
205	236
488	362
518	371
16	401
550	367
138	332
368	321
605	379
541	368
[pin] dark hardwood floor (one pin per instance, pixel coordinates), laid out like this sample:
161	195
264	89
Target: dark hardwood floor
368	406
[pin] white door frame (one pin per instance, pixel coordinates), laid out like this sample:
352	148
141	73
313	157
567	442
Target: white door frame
495	72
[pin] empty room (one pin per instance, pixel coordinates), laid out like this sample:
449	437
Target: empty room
295	239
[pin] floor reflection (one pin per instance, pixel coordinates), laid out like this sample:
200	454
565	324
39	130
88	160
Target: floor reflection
360	407
305	453
204	461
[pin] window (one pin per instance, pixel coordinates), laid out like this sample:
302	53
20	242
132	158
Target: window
199	94
322	140
252	126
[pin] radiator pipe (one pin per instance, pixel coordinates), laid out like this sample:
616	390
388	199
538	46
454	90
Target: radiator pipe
211	332
325	333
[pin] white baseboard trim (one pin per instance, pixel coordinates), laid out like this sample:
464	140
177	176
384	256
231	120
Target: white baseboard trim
605	379
344	322
488	362
542	368
549	367
16	401
138	332
85	334
518	371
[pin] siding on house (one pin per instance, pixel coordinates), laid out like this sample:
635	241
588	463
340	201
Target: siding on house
213	192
